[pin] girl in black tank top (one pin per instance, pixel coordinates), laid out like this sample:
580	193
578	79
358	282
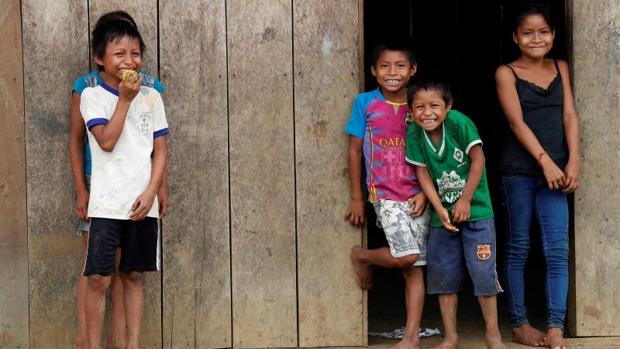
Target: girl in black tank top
542	113
539	165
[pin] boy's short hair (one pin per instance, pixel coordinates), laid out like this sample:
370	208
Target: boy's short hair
399	46
114	26
533	8
429	84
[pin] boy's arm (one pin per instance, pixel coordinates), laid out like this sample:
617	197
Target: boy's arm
462	208
426	182
163	196
355	213
76	155
108	134
144	202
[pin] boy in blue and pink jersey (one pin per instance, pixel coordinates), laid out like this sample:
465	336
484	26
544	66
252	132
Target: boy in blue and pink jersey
378	129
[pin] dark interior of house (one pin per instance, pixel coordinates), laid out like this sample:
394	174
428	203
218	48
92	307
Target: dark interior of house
463	42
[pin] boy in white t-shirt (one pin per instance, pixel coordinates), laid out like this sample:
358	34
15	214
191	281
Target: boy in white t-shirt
128	134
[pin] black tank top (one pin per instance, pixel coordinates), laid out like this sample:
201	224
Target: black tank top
542	112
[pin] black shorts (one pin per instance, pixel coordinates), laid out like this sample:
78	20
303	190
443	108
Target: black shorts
139	243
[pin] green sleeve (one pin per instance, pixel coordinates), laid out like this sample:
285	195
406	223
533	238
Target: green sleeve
468	132
413	147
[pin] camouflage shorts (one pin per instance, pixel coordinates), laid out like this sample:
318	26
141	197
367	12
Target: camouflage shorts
406	235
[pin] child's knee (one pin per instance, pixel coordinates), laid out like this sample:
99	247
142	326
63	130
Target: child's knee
98	282
407	262
131	278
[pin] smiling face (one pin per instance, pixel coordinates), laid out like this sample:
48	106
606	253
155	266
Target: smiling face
120	54
429	110
534	36
393	71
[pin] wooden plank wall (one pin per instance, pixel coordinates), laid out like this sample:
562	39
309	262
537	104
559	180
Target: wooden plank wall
255	249
196	276
13	233
55	41
326	76
596	62
262	173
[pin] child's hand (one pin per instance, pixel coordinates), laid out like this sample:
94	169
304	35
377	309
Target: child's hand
571	173
164	203
355	213
418	204
554	176
142	206
444	216
461	210
128	89
81	204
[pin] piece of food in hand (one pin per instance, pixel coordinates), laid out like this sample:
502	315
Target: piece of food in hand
129	75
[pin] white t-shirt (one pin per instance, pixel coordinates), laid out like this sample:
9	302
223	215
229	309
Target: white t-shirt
120	176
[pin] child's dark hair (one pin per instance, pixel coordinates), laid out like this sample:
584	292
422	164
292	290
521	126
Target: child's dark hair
429	84
533	8
114	26
399	46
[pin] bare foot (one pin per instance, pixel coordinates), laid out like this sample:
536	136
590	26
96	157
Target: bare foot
494	341
362	270
408	344
555	339
528	335
448	344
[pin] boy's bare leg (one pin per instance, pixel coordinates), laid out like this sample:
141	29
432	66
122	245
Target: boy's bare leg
488	304
414	299
117	333
363	261
81	340
555	339
134	306
448	303
95	308
528	335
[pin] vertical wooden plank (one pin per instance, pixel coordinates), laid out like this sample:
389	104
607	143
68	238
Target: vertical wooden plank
331	307
13	231
144	12
596	40
55	45
196	278
262	173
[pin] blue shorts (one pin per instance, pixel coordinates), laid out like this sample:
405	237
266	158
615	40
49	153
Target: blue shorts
472	249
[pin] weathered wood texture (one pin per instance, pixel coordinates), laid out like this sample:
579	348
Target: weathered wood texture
13	233
55	45
144	12
196	278
596	42
331	307
262	173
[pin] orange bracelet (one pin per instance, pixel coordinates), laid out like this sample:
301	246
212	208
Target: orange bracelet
540	157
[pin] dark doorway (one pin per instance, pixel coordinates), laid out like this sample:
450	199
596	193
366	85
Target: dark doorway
464	41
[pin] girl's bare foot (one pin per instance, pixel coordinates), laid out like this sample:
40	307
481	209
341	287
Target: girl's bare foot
363	271
555	339
408	344
528	335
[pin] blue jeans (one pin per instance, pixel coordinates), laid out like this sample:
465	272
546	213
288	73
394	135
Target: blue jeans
523	198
